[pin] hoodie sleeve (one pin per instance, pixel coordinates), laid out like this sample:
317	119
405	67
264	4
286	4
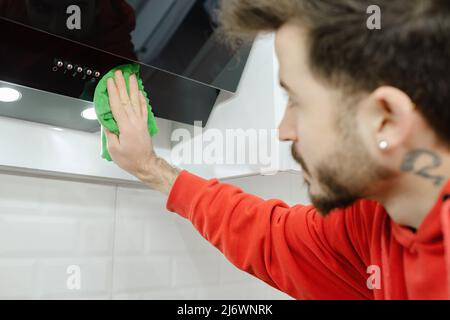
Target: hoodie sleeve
295	249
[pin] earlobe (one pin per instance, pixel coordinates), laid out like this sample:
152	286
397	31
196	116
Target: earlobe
383	145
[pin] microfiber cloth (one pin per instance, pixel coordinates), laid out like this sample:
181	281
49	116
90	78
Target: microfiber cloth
103	109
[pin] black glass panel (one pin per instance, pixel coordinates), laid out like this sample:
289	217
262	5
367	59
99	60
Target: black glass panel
178	36
32	58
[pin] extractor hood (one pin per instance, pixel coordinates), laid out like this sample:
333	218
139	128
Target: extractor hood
184	64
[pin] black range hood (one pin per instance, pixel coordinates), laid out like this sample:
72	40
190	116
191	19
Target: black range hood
183	63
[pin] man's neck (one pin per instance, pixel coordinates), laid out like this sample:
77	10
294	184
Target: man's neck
409	198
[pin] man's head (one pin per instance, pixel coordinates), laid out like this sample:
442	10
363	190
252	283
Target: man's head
360	100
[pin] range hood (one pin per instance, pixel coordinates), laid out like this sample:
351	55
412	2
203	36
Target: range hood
184	64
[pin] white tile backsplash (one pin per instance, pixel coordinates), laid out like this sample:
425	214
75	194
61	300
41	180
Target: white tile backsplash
17	278
53	275
36	235
97	236
141	273
196	271
124	241
130	236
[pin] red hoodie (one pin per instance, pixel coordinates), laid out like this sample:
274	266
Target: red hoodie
296	250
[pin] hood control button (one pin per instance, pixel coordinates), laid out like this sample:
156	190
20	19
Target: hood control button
78	70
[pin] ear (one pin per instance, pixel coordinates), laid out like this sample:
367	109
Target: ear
393	115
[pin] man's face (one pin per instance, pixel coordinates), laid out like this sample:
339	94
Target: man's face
327	137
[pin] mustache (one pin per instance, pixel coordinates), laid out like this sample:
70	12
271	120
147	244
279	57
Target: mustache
299	159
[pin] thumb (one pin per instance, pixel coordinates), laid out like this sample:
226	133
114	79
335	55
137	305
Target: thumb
111	138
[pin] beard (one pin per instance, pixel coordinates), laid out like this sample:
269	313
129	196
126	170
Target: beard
343	180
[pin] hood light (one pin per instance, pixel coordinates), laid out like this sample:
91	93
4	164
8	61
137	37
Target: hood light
9	94
89	114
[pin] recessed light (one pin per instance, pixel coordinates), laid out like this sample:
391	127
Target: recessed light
57	129
9	94
89	114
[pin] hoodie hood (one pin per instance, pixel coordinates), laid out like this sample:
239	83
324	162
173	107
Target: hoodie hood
433	234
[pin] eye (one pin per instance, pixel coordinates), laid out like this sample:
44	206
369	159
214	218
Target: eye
291	103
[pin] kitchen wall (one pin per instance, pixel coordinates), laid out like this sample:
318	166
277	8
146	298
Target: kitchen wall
120	238
122	241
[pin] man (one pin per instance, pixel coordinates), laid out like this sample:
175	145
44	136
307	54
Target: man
369	119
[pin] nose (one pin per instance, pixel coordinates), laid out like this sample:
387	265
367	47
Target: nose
288	126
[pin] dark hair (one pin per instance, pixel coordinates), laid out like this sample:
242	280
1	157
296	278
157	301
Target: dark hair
411	51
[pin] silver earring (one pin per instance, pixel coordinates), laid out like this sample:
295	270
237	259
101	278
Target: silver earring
383	144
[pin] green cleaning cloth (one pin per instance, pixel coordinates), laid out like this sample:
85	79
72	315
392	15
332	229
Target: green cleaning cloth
103	109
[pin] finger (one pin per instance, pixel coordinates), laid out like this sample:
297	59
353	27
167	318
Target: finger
114	101
144	107
123	93
134	94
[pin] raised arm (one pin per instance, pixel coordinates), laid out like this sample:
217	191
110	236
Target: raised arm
293	249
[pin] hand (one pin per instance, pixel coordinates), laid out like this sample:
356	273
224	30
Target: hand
133	149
